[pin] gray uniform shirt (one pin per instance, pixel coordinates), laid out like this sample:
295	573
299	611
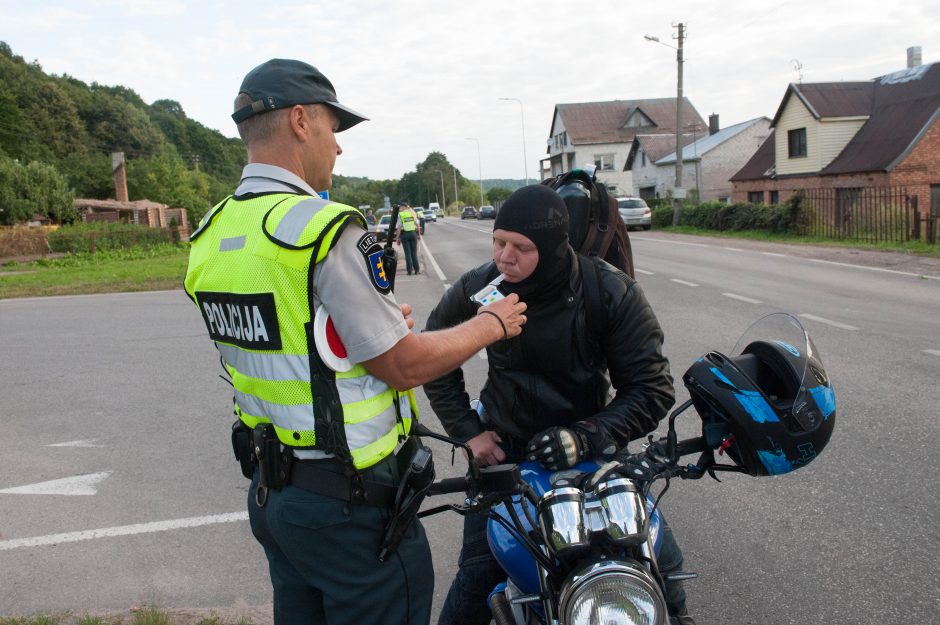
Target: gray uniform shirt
369	322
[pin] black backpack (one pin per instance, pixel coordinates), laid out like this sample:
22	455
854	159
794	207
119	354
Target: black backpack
595	227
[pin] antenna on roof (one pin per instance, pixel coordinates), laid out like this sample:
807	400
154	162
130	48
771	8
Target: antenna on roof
798	68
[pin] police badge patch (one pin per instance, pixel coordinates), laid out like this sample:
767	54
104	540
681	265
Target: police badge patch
371	250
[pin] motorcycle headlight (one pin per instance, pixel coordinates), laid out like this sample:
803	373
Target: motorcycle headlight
612	593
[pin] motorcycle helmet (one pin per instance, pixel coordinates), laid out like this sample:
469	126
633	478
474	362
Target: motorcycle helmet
575	189
771	407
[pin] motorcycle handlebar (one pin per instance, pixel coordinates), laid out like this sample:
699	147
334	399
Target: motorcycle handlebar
449	485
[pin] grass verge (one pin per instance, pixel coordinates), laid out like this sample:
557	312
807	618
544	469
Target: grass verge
136	269
146	615
920	248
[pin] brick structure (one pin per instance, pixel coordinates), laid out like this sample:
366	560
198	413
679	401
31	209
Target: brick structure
879	133
142	212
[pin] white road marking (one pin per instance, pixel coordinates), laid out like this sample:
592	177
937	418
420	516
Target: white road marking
678	281
932	352
742	298
733	249
90	442
644	272
774	254
901	273
77	485
430	257
122	530
668	241
830	322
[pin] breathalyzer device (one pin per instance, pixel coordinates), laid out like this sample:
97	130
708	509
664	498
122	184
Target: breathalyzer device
490	293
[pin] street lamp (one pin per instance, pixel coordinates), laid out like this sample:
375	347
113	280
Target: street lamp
480	165
456	194
678	188
525	157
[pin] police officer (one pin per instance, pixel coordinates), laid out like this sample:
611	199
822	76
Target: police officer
408	236
294	293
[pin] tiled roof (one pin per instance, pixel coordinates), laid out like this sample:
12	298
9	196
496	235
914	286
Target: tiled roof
604	122
709	142
655	146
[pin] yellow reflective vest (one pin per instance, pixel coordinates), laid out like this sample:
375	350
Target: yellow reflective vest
408	220
250	272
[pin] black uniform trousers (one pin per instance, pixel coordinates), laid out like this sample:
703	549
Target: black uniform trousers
323	559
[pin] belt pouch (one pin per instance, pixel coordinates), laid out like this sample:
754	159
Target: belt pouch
241	445
273	465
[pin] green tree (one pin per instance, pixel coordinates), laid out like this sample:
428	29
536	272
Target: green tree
498	194
33	189
166	178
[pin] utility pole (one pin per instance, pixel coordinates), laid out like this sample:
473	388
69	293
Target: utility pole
678	191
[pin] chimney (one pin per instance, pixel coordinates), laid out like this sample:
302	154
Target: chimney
120	176
713	123
913	56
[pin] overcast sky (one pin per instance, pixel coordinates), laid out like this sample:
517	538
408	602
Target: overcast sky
429	73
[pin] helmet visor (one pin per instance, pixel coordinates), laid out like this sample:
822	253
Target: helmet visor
797	361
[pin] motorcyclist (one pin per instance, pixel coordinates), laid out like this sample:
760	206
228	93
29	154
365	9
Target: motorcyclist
546	394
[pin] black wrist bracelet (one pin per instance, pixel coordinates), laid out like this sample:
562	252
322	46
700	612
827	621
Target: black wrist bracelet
502	325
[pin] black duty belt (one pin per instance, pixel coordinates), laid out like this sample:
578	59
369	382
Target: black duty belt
326	477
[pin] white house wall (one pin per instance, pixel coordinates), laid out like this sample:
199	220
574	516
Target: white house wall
794	116
834	135
622	180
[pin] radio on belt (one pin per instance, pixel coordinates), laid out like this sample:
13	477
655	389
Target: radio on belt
490	293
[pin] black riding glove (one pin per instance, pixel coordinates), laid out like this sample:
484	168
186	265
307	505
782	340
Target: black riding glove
558	448
646	465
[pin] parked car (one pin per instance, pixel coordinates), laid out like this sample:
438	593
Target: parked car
434	206
487	212
430	215
634	212
381	228
468	212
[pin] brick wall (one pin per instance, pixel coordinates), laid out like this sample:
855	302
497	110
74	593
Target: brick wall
916	173
921	168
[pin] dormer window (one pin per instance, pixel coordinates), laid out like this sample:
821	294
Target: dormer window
796	142
638	120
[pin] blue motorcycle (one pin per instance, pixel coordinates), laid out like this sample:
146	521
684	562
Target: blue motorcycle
580	546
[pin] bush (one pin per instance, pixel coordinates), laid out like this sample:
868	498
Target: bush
661	217
78	239
788	218
22	241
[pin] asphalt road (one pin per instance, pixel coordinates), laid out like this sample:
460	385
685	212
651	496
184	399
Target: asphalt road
117	486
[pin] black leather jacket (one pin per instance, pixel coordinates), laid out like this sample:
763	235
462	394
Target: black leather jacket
554	372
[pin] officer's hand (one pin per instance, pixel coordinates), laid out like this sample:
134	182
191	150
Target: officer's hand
486	449
558	448
509	313
406	311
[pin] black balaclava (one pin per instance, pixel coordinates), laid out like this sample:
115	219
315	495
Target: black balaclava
539	214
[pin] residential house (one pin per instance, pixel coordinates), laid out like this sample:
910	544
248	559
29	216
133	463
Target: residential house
851	136
708	161
602	133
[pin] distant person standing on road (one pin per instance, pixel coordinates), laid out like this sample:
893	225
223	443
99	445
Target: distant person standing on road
294	294
408	236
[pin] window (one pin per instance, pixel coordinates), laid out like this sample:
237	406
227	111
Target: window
774	197
755	197
796	140
642	158
604	162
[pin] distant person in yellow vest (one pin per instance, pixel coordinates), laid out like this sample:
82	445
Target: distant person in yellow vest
294	294
409	233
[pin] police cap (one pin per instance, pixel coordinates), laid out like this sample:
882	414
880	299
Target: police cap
280	83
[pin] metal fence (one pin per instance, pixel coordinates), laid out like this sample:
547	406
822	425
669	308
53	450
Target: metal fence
871	214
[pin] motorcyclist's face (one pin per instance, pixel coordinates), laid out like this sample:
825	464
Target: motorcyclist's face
515	254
